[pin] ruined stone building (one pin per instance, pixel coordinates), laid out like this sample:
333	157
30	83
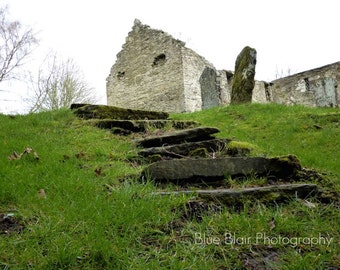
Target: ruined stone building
155	71
316	87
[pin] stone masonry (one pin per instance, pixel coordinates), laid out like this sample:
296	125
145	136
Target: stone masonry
155	71
317	87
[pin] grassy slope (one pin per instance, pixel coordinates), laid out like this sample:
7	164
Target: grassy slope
90	221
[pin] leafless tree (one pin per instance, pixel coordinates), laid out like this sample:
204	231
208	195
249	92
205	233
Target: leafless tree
16	43
281	73
58	84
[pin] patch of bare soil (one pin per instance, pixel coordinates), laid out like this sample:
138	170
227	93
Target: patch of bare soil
260	258
195	210
9	223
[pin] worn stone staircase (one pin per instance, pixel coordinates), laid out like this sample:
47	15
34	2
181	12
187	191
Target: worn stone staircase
198	163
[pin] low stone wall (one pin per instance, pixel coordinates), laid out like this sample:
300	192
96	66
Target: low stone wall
317	87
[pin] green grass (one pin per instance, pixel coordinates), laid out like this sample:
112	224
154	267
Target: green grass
90	219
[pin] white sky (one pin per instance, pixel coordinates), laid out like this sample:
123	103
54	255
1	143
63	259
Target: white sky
290	34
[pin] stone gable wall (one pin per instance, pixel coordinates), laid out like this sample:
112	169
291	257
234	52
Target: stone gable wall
154	71
148	72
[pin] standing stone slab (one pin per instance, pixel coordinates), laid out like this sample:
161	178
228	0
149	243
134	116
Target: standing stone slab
178	170
188	135
243	80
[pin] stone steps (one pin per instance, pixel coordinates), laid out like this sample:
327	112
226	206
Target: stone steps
180	167
127	121
265	194
187	135
207	169
187	149
194	158
143	125
89	111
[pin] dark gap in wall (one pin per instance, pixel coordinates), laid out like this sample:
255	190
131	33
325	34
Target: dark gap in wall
159	60
267	91
307	85
121	74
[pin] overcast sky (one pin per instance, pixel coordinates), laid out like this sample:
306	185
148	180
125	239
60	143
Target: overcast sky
290	34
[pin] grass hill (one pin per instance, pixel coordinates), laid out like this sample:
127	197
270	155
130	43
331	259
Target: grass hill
69	198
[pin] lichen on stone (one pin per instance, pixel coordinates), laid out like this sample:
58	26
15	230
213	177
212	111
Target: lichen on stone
243	81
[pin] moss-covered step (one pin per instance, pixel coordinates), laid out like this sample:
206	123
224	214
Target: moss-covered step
208	169
233	197
143	125
187	149
187	135
89	111
210	148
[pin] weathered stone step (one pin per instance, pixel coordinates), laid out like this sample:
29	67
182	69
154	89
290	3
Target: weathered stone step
89	111
263	194
209	148
186	149
187	170
188	135
143	125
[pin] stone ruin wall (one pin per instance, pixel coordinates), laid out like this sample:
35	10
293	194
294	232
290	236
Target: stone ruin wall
317	87
225	78
154	71
201	85
192	69
314	88
148	72
261	92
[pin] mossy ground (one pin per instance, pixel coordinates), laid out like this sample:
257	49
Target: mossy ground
88	219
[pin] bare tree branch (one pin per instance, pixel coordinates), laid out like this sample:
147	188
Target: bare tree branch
58	84
16	44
